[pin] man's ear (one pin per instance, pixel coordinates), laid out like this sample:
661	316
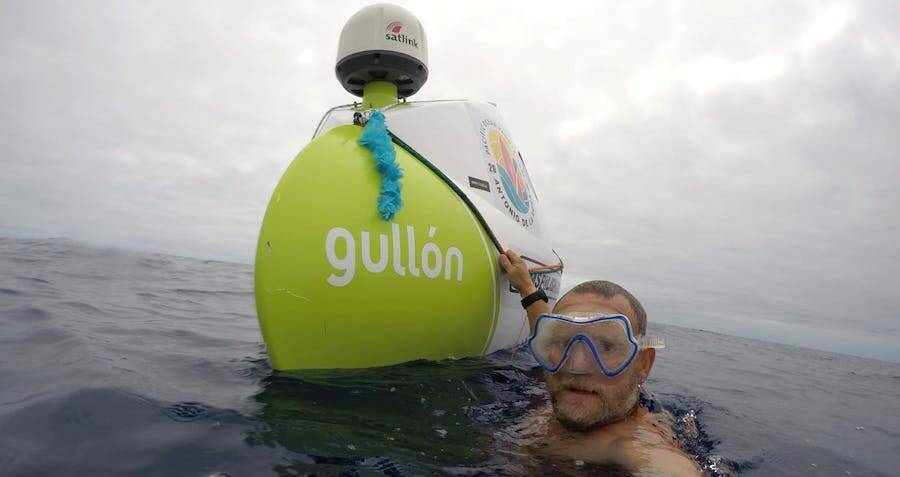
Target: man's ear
645	364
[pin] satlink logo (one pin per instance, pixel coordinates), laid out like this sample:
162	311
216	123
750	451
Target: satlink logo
434	262
393	34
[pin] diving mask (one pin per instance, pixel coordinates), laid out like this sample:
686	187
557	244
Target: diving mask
608	339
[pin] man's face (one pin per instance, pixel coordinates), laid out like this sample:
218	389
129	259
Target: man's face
584	401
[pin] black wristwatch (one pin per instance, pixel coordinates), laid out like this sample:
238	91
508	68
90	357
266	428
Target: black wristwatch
538	295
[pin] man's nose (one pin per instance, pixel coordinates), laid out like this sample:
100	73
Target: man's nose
580	359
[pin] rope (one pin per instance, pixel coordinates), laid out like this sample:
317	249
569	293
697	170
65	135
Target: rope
378	139
542	268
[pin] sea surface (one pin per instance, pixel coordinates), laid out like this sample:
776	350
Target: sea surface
126	363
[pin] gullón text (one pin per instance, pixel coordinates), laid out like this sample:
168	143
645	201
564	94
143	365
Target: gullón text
428	262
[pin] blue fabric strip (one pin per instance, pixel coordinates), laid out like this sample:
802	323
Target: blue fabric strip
376	139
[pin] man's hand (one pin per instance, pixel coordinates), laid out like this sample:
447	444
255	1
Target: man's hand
517	270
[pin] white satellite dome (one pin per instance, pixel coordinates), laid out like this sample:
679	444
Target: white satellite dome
383	42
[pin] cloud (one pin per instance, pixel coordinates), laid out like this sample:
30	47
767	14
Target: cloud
721	159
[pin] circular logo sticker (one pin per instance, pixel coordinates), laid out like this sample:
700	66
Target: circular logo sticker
505	165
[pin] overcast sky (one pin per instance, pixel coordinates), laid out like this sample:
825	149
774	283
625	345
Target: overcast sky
734	164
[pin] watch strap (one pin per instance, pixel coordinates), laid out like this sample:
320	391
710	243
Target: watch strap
530	299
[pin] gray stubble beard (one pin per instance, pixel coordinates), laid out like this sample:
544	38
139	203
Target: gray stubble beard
607	414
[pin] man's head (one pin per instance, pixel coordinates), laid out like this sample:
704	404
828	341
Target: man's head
585	401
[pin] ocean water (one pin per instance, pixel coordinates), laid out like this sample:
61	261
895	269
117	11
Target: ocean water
126	363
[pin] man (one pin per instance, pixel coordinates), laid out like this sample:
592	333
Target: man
596	358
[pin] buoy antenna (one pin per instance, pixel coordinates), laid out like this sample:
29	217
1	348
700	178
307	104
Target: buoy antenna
382	55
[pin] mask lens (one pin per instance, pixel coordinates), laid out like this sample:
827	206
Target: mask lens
610	339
